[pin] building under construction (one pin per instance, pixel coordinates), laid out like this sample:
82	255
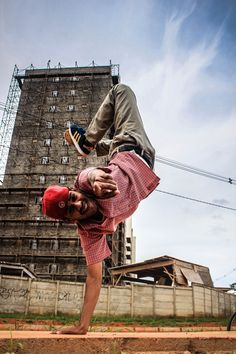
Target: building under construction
40	105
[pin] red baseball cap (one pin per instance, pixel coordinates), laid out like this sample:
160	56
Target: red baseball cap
55	201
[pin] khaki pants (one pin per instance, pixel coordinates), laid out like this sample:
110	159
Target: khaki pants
119	110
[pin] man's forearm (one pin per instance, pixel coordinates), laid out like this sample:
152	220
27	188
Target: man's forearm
92	291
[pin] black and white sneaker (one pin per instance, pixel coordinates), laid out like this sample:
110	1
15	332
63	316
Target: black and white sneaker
76	135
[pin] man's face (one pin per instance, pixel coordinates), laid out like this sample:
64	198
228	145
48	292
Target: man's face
80	207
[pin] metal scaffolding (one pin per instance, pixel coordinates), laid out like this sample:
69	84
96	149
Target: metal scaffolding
48	247
8	121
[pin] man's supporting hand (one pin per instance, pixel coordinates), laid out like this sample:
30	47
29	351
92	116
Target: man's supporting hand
102	183
92	291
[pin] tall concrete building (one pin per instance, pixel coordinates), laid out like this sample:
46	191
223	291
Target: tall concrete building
49	100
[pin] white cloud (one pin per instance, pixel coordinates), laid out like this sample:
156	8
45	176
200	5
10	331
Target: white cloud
186	104
166	92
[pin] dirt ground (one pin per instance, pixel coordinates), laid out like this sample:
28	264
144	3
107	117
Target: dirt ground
43	342
47	325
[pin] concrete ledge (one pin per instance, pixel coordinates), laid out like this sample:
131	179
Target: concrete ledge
19	326
41	342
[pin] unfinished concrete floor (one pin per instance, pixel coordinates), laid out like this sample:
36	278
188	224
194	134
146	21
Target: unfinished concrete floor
42	342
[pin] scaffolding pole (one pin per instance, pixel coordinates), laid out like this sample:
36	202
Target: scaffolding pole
8	121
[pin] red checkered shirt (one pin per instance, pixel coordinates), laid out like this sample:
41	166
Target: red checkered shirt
135	182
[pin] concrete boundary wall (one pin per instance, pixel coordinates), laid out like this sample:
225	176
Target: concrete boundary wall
25	295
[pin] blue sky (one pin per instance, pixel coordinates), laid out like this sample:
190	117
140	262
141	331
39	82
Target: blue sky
179	57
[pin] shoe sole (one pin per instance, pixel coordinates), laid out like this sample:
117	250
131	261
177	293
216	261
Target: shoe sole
67	137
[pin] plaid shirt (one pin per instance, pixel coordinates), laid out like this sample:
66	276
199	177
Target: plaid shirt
135	182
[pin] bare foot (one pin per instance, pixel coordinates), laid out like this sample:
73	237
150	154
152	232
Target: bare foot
73	330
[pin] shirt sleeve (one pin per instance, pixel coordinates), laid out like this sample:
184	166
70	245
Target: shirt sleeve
81	180
95	248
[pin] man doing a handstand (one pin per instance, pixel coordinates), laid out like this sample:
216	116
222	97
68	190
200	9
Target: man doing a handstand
105	196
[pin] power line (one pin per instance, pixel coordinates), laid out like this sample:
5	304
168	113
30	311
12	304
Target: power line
225	275
33	116
194	170
194	200
27	153
157	190
158	158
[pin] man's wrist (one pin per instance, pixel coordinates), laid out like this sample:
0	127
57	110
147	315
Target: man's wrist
83	326
91	176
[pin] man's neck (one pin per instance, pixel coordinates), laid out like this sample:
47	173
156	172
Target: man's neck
98	217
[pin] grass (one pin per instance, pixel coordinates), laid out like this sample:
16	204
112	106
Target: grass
125	320
159	321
